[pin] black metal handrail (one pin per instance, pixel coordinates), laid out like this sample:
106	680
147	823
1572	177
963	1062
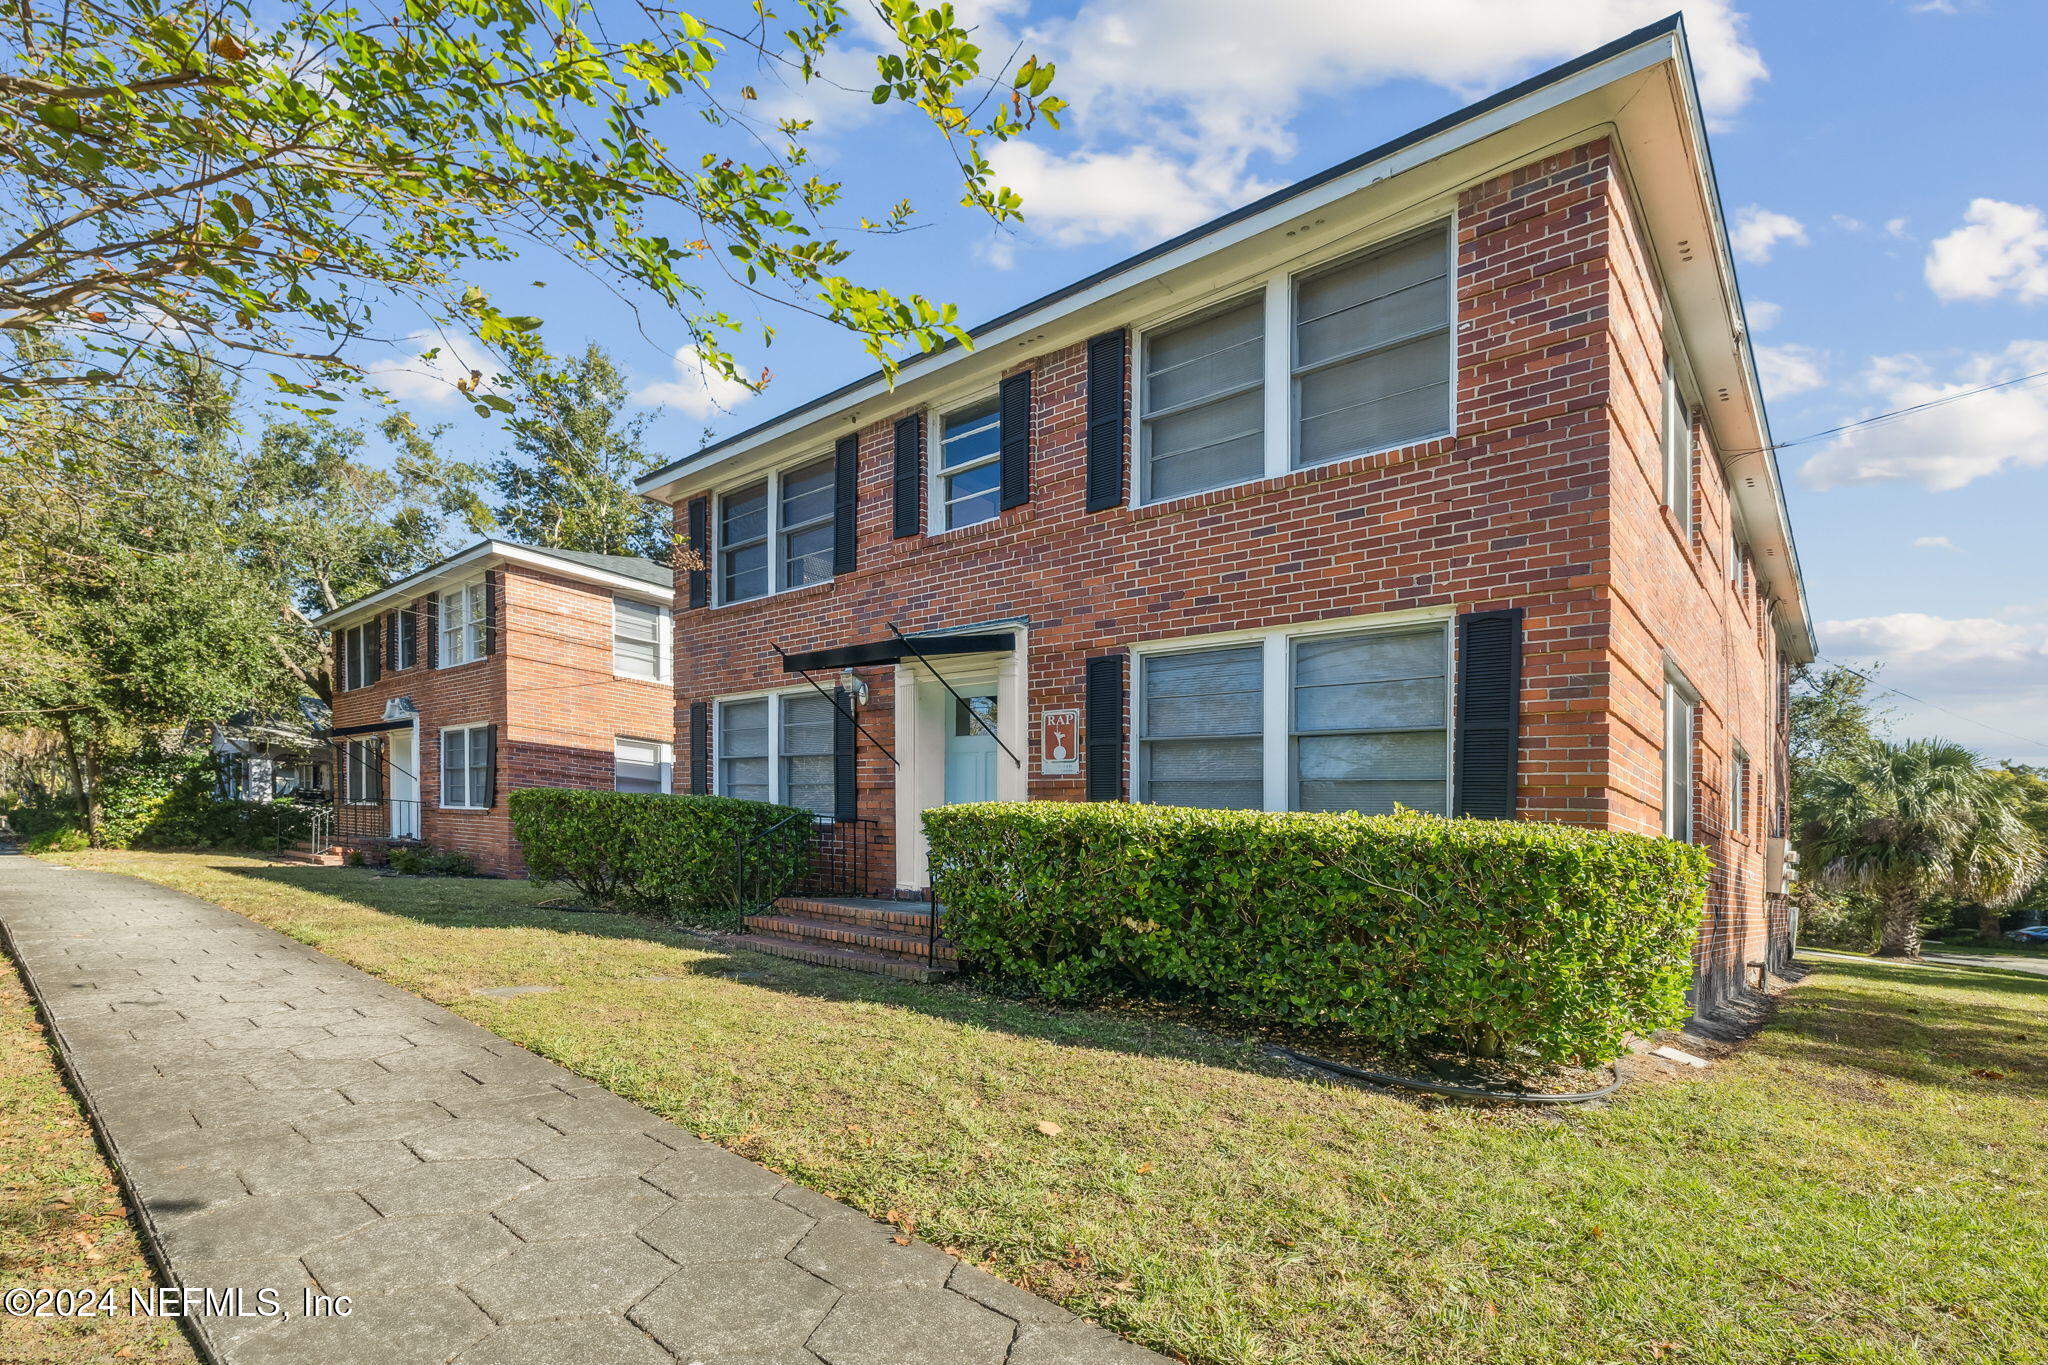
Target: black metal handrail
837	860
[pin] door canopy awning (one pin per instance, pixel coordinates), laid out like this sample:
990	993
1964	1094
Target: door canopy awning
895	651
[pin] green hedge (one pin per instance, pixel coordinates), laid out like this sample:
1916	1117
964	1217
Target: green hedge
1404	928
659	855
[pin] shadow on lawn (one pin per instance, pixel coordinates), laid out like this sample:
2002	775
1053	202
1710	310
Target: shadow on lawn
442	902
1944	1033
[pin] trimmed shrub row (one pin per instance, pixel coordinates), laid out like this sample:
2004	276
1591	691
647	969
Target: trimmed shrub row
1492	935
659	855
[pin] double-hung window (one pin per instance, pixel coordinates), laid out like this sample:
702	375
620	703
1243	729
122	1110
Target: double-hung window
1372	350
363	771
466	762
1203	400
776	533
1675	436
1681	705
1349	720
640	640
968	476
462	624
358	656
641	765
778	748
405	638
1738	791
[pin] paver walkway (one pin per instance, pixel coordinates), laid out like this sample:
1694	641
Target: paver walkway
286	1122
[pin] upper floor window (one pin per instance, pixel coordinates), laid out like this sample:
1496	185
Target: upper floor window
641	765
1203	401
776	533
1675	437
968	475
463	610
1372	350
1356	720
358	651
1681	706
405	638
640	640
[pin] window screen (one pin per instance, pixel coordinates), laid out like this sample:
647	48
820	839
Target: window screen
1372	350
1369	722
806	522
1678	784
743	749
640	765
637	639
967	465
462	625
1203	717
1676	434
743	543
807	768
1203	401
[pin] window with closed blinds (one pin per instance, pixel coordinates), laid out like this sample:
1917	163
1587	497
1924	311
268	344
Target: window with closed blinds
806	748
1369	727
1203	401
640	765
743	749
805	523
1679	702
1203	720
639	639
1372	350
743	543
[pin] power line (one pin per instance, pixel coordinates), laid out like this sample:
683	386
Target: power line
1969	720
1899	412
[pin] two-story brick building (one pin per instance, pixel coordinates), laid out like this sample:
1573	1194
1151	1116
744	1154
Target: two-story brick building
502	666
1439	479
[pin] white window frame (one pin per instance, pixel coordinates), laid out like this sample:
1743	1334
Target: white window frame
664	760
1675	447
776	532
1277	377
359	754
354	656
939	479
1678	768
775	699
405	630
469	768
1276	691
465	624
1738	790
664	641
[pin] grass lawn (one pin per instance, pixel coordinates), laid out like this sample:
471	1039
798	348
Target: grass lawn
61	1220
1866	1182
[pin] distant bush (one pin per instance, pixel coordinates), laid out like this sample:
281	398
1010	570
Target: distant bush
1493	935
659	855
420	861
57	839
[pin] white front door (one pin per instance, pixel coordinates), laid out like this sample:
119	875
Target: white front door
970	749
405	785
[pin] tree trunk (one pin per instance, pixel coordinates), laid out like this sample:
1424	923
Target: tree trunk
84	781
1987	926
1899	926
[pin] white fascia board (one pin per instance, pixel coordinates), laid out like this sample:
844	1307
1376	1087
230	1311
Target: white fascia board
818	424
484	555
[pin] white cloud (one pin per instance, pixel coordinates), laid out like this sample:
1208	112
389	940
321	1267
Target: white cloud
1934	543
1948	446
1762	316
696	388
2003	248
432	378
1848	224
1790	369
1758	231
1987	674
1180	95
1895	227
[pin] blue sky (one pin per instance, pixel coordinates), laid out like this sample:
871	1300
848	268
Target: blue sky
1881	160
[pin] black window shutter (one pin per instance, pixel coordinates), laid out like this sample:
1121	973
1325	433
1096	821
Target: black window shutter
700	748
1014	408
846	504
373	645
1103	717
909	476
699	517
491	596
430	626
390	642
490	737
845	759
1106	421
373	771
1489	713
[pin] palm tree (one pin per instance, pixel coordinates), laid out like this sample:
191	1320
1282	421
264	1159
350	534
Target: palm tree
1904	822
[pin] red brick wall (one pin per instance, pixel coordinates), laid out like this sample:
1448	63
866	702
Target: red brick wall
1533	503
550	690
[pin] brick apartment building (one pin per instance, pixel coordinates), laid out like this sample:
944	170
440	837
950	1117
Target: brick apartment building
1439	479
502	666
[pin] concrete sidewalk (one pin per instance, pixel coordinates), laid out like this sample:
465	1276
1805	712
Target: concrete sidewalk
285	1122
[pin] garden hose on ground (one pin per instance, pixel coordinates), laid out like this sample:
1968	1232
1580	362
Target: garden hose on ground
1440	1088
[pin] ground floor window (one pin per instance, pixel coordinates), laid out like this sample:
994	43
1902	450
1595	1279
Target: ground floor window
1681	709
468	758
363	771
777	748
641	765
1348	719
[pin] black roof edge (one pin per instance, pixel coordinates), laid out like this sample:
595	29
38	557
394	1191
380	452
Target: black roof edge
1671	23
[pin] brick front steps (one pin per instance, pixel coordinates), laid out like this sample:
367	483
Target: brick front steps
886	938
329	858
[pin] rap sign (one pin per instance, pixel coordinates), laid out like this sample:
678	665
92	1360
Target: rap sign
1059	741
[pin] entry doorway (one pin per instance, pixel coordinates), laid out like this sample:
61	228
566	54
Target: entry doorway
971	749
405	783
